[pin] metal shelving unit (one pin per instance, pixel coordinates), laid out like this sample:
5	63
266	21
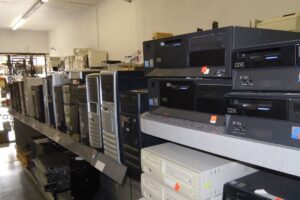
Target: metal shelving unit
99	160
213	139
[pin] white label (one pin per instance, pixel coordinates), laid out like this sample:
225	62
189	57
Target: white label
169	182
100	166
151	102
147	64
151	63
207	71
57	137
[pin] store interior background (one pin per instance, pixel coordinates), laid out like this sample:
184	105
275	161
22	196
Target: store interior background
120	27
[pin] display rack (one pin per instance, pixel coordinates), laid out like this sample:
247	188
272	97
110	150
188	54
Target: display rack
99	160
212	139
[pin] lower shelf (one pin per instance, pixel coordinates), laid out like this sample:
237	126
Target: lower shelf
47	195
99	160
212	139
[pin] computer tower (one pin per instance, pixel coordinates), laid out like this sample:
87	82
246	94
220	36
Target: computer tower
48	101
40	146
112	84
15	97
115	190
28	83
200	100
71	110
152	189
52	171
94	114
136	192
38	102
84	179
262	186
132	104
271	117
59	109
80	75
192	174
58	80
22	97
83	115
206	54
267	67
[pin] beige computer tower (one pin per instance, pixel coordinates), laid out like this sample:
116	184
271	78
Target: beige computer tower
192	174
289	22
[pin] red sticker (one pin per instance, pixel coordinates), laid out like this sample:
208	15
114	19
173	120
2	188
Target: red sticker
177	187
203	69
213	119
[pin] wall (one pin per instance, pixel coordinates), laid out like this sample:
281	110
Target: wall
123	26
23	41
117	28
180	17
81	32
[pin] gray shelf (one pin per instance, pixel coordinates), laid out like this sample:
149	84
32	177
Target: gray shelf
99	160
212	139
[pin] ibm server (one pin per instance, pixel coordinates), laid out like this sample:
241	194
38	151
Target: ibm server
206	53
268	67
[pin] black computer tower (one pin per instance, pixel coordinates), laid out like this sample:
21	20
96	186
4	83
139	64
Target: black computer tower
84	179
59	109
83	115
262	186
204	54
22	97
15	97
132	104
38	102
71	110
48	101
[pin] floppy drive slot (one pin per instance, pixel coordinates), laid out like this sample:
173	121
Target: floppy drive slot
151	189
152	164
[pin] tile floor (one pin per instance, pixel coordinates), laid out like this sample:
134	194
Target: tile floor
14	182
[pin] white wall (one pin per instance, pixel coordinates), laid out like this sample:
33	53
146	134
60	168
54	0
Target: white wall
123	26
23	41
81	32
118	28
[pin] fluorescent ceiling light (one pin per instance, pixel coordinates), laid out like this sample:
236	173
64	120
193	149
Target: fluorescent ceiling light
32	9
18	24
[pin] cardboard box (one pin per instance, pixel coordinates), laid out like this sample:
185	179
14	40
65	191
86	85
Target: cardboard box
159	35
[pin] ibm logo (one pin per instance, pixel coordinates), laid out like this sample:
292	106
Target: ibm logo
239	64
231	111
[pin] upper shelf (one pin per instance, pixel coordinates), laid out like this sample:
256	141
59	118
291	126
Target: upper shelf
102	162
212	139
